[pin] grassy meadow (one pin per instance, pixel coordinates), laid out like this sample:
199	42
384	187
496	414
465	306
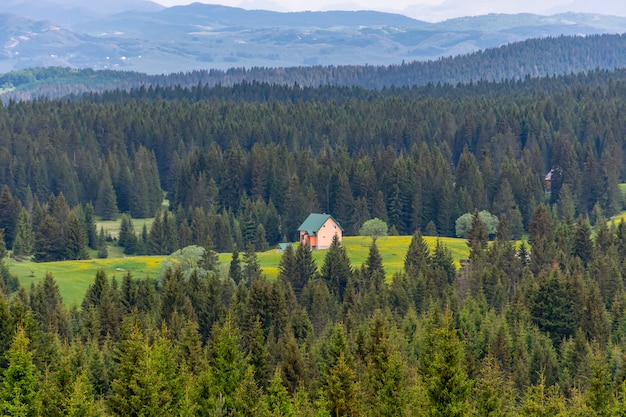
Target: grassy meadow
112	227
73	277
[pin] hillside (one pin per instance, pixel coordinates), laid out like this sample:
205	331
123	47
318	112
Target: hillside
533	58
74	277
142	37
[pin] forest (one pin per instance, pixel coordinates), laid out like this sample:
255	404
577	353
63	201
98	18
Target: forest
533	323
534	58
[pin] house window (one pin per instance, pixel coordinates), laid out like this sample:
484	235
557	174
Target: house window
334	227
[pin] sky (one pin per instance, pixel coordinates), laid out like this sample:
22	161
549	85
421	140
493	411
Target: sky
428	10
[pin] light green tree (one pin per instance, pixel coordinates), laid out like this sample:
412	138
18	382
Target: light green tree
374	228
18	396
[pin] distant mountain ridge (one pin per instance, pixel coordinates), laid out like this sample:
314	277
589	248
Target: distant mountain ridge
142	36
533	58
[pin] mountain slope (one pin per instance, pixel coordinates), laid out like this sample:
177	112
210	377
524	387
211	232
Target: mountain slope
517	61
140	36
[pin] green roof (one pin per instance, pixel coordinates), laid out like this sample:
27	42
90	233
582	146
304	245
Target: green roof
314	223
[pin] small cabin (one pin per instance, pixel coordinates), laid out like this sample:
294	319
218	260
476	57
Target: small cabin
281	247
318	231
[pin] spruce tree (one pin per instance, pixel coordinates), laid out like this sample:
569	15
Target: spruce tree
18	395
106	203
374	262
234	270
24	243
251	266
417	256
102	244
90	226
305	269
210	258
336	269
448	386
75	240
287	268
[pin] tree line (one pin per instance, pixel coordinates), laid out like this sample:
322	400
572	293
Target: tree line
540	57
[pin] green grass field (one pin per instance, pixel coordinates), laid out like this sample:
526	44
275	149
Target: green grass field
112	227
73	277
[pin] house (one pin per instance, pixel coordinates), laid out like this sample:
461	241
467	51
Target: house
318	230
555	174
547	181
281	247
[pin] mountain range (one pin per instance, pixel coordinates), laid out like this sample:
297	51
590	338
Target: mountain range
143	36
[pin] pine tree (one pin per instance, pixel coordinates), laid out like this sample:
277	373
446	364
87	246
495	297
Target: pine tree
75	240
90	226
442	365
18	396
49	241
210	258
278	401
336	270
234	270
342	389
147	381
81	401
385	379
374	262
417	256
477	237
251	266
287	268
106	203
582	246
156	236
9	212
24	242
102	244
305	269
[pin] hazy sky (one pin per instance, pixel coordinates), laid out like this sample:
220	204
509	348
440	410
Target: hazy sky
429	10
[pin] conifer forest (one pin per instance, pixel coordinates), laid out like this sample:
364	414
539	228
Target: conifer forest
533	323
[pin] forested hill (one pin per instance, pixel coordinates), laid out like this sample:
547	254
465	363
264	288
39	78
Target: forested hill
531	58
257	156
537	328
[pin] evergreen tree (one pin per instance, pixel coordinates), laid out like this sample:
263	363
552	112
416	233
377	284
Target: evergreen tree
81	401
102	244
106	203
156	237
90	226
234	270
374	262
477	236
210	258
417	256
75	240
278	401
447	383
147	381
582	246
336	270
305	269
287	268
18	396
127	237
9	212
24	242
49	241
251	266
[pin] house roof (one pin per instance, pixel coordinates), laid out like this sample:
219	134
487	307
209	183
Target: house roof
283	246
314	223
